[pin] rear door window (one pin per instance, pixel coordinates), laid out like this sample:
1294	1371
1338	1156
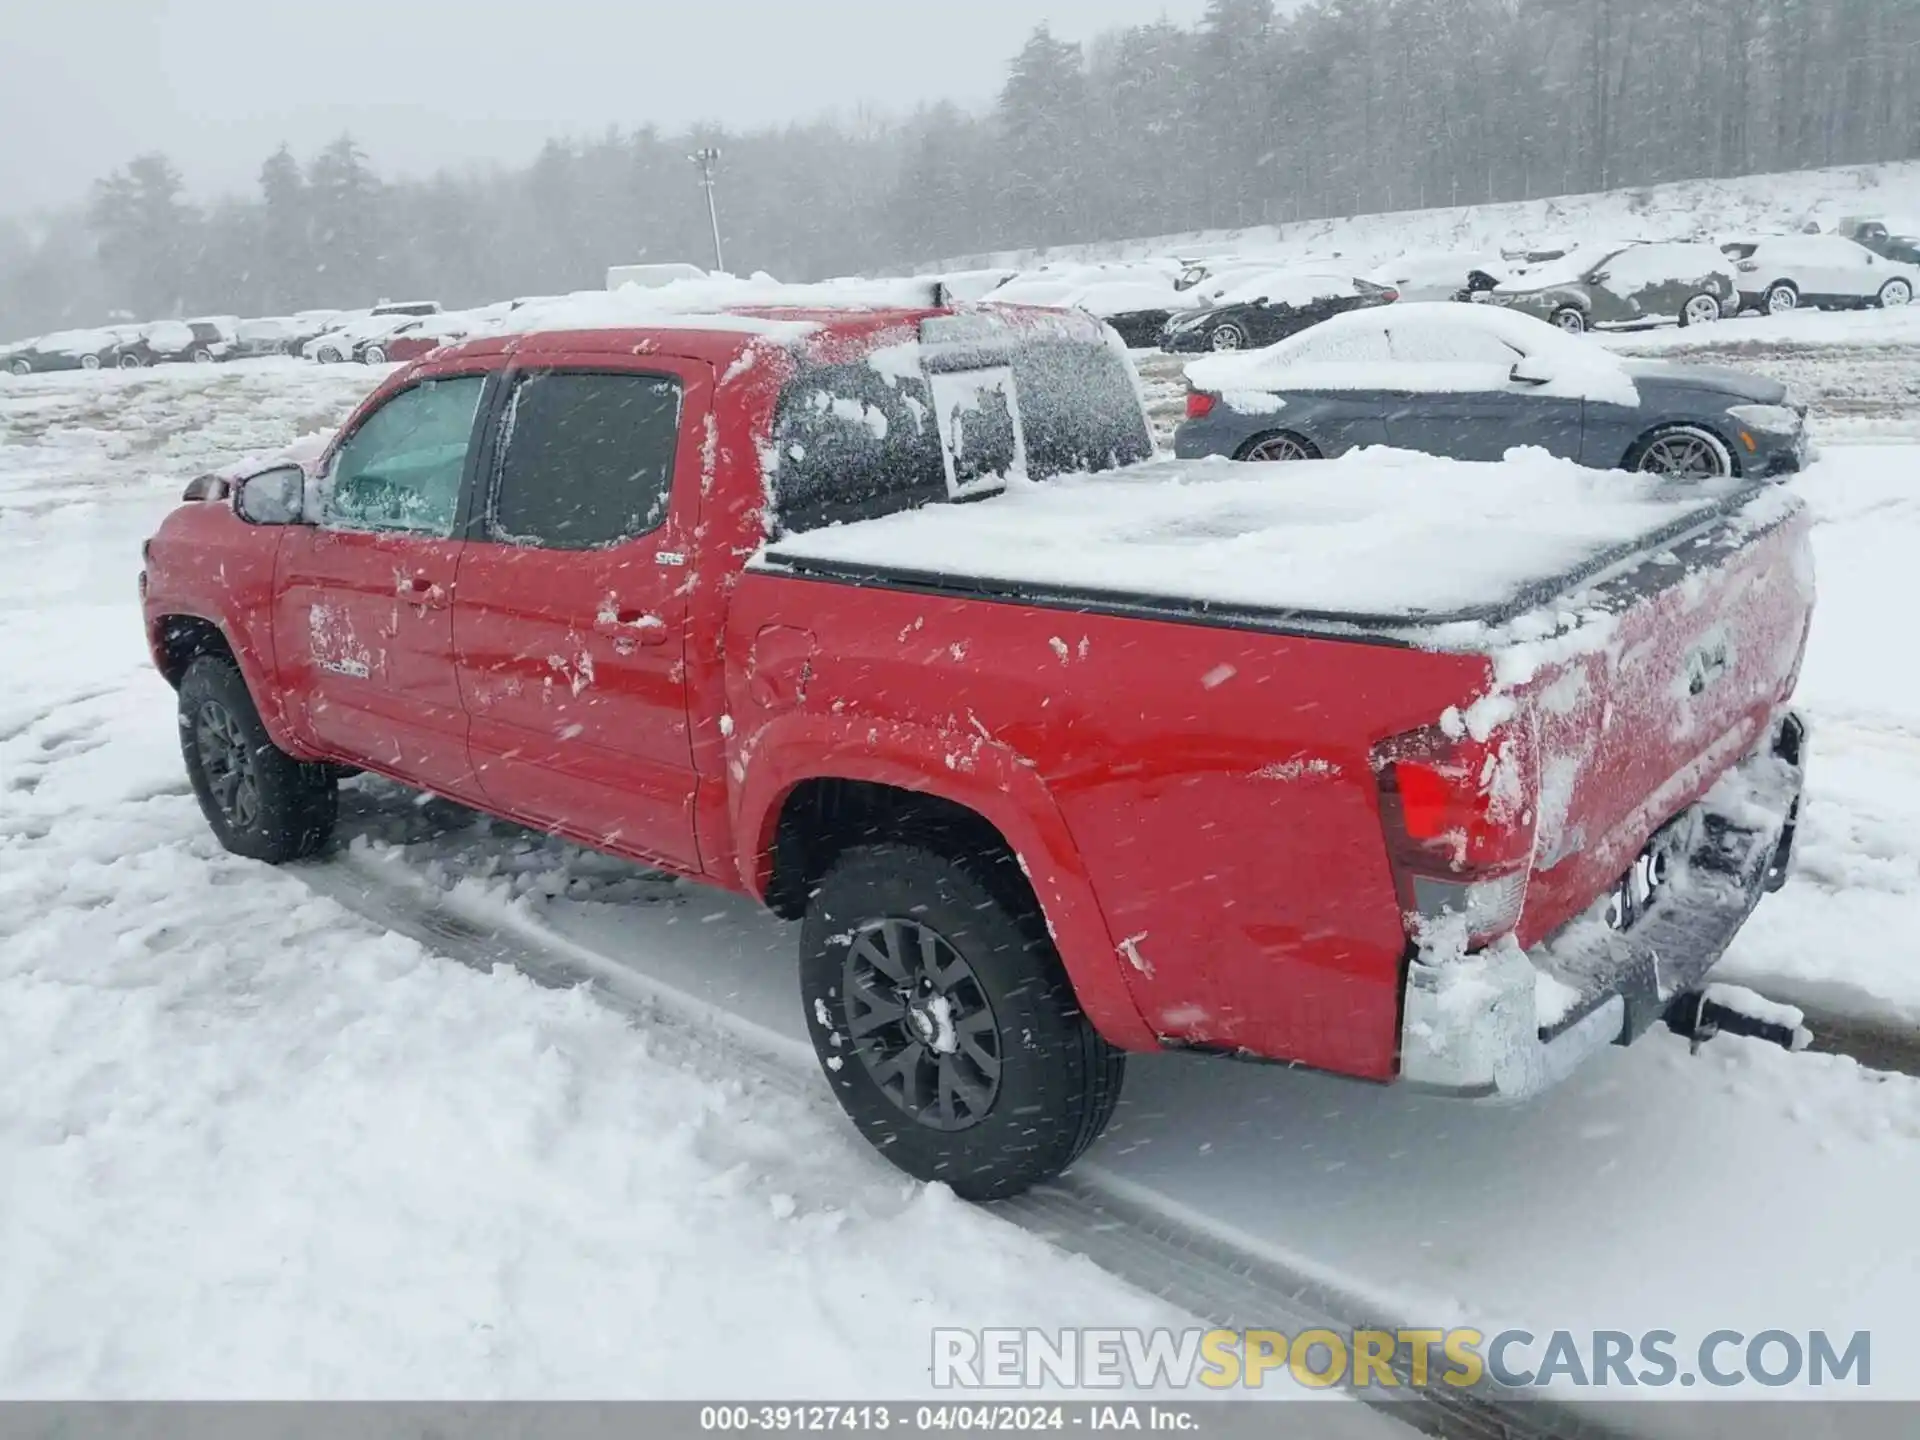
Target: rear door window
586	459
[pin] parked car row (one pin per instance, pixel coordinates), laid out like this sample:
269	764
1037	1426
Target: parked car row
1236	302
201	340
128	347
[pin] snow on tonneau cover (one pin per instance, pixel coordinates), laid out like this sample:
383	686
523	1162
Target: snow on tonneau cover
1638	634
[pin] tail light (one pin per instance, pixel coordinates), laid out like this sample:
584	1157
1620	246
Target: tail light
1459	815
1200	404
1391	296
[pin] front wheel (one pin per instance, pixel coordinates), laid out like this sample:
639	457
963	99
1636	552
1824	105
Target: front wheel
327	355
1702	309
374	355
19	367
1896	293
89	362
1682	452
130	362
261	802
946	1024
1228	337
202	356
1571	319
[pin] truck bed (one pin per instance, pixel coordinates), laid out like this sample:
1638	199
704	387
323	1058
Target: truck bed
1380	543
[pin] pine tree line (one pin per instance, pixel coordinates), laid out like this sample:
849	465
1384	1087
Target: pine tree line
1341	107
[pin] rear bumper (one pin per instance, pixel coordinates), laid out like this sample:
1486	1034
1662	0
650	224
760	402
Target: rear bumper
1471	1027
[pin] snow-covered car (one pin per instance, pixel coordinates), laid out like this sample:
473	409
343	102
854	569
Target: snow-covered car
1434	274
430	333
1137	309
282	334
1214	276
1780	273
1625	287
163	342
1270	307
1473	382
410	307
1897	240
336	346
1134	298
68	350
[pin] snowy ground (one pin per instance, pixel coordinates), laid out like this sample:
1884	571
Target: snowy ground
255	1145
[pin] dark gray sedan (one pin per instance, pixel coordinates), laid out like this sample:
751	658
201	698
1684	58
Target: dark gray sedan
1471	382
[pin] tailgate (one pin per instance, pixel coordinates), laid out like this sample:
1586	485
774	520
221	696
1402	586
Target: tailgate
1704	644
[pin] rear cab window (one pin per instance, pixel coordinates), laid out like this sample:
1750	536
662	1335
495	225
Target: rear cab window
975	402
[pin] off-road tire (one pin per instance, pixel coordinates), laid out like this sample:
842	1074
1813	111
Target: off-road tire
295	803
1058	1081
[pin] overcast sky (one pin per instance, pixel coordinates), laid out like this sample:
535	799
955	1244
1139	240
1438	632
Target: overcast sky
217	84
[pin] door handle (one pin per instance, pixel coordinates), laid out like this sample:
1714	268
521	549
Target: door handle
632	625
420	590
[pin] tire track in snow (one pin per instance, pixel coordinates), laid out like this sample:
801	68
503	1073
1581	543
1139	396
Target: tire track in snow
1085	1213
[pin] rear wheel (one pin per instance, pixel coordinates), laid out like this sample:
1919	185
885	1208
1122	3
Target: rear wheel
327	355
1682	452
20	367
1896	293
1782	297
946	1025
1281	445
1702	309
261	802
1228	337
201	355
131	362
1571	319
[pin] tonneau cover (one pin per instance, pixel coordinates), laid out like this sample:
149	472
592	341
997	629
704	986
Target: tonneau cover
1379	540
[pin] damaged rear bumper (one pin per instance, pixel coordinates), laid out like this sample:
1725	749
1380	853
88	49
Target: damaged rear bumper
1471	1027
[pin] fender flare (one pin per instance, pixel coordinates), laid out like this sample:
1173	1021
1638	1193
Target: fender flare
984	776
255	670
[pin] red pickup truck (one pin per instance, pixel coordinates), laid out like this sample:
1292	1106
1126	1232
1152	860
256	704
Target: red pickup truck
887	619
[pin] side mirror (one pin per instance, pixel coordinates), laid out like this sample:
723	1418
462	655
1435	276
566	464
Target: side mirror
1599	277
273	497
1529	371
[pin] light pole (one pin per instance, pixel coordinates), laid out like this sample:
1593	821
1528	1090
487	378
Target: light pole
706	158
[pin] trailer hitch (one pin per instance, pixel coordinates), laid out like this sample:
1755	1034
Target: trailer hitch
1696	1016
